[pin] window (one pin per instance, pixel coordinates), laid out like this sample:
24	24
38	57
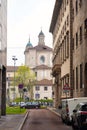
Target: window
42	59
85	26
36	74
0	44
73	44
76	78
12	89
0	31
37	95
86	23
80	3
65	48
76	39
76	6
46	98
84	107
67	2
73	80
67	20
67	44
81	76
45	88
37	88
80	34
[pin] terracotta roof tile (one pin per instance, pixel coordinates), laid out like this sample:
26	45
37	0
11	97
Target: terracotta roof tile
44	82
39	48
42	48
42	67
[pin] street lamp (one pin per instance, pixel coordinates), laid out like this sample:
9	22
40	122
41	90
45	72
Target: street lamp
14	59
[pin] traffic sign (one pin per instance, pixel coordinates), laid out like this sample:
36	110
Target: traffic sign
20	86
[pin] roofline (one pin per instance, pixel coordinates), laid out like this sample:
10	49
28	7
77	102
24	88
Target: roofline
55	14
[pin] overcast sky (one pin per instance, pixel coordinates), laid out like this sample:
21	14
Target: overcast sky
26	18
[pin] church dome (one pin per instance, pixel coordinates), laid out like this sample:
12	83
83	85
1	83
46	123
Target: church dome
41	33
29	44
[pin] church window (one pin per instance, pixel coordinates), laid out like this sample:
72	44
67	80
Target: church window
42	59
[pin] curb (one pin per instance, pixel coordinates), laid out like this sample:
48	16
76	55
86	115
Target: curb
23	121
51	109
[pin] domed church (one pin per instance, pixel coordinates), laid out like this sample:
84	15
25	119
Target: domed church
39	59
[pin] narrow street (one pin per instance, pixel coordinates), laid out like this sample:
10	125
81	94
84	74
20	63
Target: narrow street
42	119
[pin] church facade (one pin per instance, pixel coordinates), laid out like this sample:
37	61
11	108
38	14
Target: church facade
39	59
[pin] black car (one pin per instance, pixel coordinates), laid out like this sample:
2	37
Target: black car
32	105
79	117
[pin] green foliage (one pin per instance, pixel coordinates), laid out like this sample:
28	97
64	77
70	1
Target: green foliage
44	100
15	110
18	100
24	74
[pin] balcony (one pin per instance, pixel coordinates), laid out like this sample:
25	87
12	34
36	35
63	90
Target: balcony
56	69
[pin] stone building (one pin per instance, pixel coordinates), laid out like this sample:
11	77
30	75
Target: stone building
3	55
61	28
69	29
80	47
11	92
39	59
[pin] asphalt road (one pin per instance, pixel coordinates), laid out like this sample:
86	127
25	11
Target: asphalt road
43	119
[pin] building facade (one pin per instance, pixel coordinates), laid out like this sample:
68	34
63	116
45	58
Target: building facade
11	92
69	29
61	28
3	55
80	48
38	58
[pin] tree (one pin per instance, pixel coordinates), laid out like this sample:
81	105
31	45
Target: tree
25	76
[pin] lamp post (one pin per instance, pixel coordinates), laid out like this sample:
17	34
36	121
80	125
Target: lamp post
14	59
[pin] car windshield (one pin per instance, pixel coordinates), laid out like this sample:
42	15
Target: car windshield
77	107
84	107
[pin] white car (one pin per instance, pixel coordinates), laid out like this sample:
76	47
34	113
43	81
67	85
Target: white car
22	104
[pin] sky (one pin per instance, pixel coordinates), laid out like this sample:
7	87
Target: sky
24	20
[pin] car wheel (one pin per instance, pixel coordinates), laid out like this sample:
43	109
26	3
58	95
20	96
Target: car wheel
63	120
73	125
79	125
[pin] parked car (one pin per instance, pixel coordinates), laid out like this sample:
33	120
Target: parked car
31	105
22	104
79	117
13	104
67	108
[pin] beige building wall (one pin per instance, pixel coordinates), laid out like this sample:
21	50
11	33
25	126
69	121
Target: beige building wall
10	88
30	60
80	48
61	28
3	32
44	93
69	29
3	55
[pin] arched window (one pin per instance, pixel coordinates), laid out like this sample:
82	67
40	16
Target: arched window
42	59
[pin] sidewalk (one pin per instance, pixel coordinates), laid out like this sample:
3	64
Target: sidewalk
54	110
12	122
15	122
